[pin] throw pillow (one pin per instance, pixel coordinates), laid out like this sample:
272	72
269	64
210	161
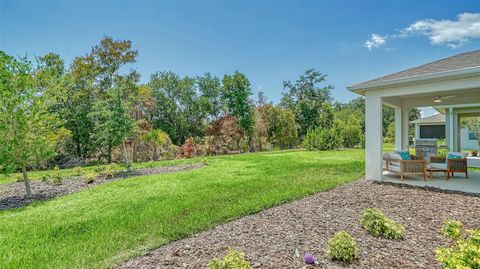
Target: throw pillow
404	154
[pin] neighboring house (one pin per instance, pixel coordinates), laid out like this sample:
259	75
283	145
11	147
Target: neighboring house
434	127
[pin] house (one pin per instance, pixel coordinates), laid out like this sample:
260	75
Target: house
434	127
451	85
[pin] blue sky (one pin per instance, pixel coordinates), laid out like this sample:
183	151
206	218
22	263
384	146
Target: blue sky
270	41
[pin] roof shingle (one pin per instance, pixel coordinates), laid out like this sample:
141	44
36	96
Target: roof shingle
456	62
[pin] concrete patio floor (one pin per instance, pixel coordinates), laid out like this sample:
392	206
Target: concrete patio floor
457	183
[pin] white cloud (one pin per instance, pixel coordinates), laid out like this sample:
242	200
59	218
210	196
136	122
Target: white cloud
453	33
375	41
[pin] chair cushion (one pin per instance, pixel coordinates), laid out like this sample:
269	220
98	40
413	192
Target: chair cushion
439	165
395	168
405	154
394	156
456	155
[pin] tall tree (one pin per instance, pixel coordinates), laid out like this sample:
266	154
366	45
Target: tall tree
236	93
306	97
209	102
177	110
28	132
113	93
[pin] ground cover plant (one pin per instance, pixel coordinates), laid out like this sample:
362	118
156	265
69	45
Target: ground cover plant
342	247
465	250
233	260
109	223
378	224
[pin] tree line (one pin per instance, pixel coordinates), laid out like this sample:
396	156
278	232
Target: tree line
96	110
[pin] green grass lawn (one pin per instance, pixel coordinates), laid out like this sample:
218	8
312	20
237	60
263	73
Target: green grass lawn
107	224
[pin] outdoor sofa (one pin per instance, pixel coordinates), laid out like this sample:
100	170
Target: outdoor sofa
393	163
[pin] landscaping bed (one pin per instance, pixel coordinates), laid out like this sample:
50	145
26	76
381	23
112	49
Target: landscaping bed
12	195
278	237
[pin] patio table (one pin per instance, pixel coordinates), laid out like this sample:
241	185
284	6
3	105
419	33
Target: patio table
432	170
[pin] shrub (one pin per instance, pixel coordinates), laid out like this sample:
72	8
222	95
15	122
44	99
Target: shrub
224	136
342	247
90	177
452	229
98	169
44	177
77	171
109	170
188	148
233	260
377	223
56	176
322	139
19	178
465	252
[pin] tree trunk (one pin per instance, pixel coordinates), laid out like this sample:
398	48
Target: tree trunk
155	154
135	150
125	156
109	153
27	183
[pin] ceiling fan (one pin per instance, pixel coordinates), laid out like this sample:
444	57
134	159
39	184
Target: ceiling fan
440	98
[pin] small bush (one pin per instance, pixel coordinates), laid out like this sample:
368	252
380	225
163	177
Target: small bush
342	247
56	176
19	178
44	177
465	252
98	169
90	177
322	139
452	229
109	170
188	148
233	260
377	223
77	171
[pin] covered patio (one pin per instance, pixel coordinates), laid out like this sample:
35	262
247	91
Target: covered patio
451	84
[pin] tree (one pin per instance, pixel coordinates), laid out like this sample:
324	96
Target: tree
473	125
113	94
28	132
235	95
224	135
282	128
209	102
177	110
307	98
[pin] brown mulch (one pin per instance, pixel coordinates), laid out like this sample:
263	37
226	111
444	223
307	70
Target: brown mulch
274	237
12	195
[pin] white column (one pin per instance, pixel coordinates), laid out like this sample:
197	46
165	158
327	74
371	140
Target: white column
373	136
398	128
405	122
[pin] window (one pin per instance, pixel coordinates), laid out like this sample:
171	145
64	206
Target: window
471	136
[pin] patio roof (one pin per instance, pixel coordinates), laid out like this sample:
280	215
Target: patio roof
454	66
452	83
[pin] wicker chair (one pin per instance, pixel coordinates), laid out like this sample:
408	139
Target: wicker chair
417	166
452	165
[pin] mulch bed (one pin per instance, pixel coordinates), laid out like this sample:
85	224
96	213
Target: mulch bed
12	195
273	237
